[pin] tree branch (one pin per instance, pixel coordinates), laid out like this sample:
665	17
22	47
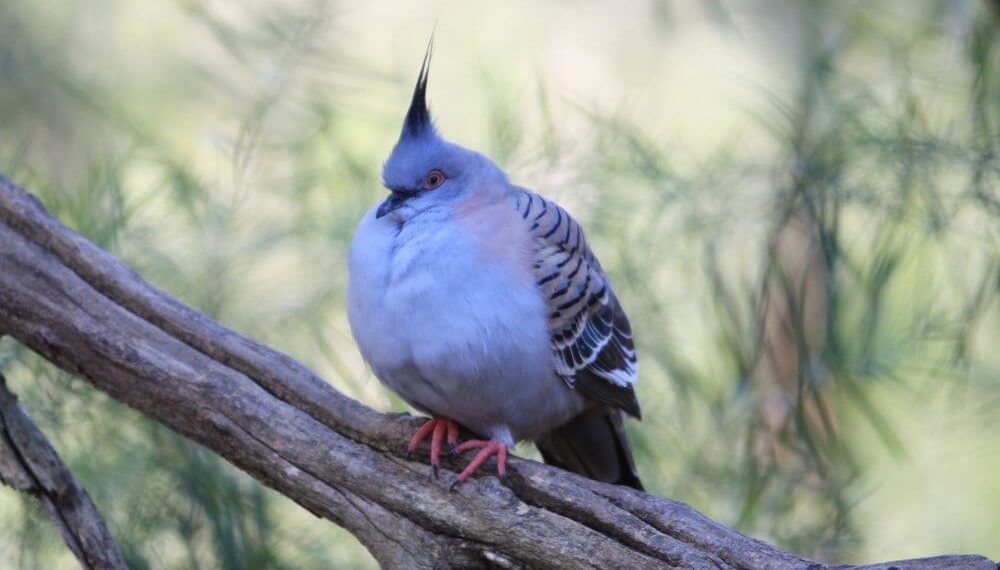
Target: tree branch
29	464
86	312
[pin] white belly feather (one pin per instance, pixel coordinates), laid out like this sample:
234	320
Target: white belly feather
455	328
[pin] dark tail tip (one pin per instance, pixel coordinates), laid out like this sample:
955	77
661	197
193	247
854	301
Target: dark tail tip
593	444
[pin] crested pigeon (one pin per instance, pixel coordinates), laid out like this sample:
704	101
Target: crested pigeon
481	304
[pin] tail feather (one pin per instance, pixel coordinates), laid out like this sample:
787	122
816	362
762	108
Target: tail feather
594	445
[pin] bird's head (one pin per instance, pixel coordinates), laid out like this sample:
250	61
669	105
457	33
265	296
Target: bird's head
427	172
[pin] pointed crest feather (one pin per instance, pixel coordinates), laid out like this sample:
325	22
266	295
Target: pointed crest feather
418	117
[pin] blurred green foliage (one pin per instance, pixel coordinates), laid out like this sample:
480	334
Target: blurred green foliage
226	152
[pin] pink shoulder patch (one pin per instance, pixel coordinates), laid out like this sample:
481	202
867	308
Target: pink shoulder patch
502	236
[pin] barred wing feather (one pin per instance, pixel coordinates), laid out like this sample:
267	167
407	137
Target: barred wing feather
590	334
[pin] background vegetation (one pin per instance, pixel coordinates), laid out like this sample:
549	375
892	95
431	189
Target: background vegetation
797	201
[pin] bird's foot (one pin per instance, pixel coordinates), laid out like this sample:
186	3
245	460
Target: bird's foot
439	429
486	449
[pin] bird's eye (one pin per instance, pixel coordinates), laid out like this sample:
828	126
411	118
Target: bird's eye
433	179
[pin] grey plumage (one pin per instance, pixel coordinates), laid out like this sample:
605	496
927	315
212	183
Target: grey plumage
481	302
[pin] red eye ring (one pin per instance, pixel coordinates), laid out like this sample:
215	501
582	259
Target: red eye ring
433	179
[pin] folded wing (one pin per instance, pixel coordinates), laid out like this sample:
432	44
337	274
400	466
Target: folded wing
590	334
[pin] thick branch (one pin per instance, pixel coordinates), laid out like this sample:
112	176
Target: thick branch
29	464
86	312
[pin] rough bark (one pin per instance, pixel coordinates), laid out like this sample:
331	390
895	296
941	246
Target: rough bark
83	310
29	464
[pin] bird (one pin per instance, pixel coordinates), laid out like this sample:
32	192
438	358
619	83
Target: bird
481	304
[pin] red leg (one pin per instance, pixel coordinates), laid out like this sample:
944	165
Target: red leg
436	428
452	437
421	435
436	447
486	449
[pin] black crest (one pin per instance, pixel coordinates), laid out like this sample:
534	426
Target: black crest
418	117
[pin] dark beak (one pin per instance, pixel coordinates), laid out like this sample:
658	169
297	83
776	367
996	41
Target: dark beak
394	201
